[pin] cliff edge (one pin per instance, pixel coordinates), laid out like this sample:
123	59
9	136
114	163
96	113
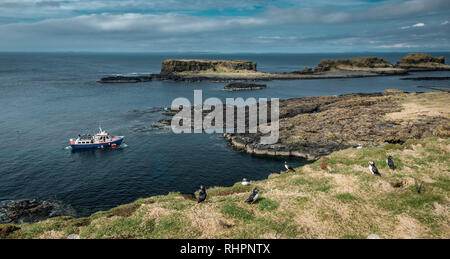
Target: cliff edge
422	61
171	66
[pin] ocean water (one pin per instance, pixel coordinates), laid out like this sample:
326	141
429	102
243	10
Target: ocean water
46	98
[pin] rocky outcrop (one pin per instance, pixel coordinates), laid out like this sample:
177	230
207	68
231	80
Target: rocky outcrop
25	211
171	66
354	64
244	86
306	70
312	127
422	62
125	79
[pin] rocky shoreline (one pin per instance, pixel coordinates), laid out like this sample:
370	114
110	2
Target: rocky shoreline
439	88
27	211
312	127
427	78
242	70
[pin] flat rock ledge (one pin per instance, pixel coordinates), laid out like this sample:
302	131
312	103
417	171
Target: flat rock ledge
250	144
125	79
244	86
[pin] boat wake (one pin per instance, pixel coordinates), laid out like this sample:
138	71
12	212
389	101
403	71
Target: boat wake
68	148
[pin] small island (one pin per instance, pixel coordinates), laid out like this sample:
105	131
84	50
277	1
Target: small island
422	62
125	79
244	86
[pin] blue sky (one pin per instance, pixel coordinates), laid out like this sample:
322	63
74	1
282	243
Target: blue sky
225	26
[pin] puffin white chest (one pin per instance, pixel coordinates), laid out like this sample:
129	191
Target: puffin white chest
256	197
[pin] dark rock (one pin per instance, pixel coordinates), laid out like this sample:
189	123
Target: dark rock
125	79
244	86
25	211
427	78
307	70
7	229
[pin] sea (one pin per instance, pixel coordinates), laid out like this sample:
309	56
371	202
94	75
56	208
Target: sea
48	98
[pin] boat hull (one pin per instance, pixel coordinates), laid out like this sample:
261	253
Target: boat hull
114	143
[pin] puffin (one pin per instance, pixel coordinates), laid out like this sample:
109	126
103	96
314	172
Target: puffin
390	163
244	181
202	194
288	167
373	169
253	196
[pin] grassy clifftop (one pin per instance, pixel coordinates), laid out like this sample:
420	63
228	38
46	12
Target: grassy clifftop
334	197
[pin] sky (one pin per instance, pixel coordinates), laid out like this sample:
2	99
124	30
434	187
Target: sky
227	26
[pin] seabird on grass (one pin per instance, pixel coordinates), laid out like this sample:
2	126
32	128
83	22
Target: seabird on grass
373	169
244	181
288	167
202	194
390	163
253	196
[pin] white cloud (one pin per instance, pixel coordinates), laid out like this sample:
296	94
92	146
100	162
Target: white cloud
445	23
420	24
396	46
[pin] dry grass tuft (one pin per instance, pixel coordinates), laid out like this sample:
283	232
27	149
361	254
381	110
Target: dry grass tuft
324	164
125	210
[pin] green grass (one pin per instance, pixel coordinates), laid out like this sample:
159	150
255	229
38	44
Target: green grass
232	210
267	205
346	197
402	202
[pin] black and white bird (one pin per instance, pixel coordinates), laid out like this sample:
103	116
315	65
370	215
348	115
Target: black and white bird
253	196
245	181
390	163
373	169
202	194
288	167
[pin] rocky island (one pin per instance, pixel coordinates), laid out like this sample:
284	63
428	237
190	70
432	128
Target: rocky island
125	79
244	86
422	62
173	66
365	64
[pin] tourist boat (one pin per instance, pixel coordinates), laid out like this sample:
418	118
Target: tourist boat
100	140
